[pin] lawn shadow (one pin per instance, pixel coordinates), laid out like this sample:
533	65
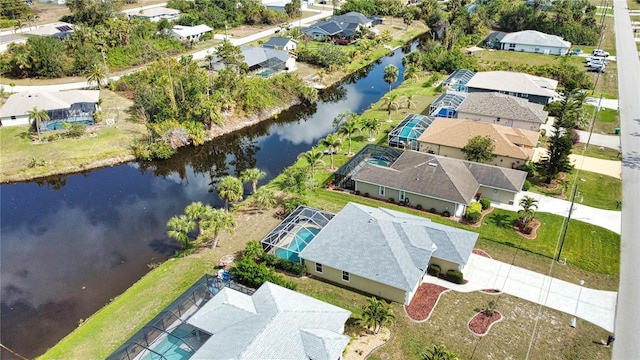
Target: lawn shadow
24	135
503	221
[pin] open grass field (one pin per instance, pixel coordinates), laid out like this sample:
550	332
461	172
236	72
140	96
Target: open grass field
607	120
599	191
595	151
111	144
517	57
633	4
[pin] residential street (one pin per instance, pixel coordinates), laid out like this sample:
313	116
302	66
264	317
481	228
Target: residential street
627	325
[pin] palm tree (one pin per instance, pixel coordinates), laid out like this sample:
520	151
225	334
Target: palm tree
410	102
37	115
98	75
253	175
313	158
263	198
350	127
529	206
219	221
17	25
372	125
333	143
179	228
439	352
391	101
198	212
376	313
230	190
390	74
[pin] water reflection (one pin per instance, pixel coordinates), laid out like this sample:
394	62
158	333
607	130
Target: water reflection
69	244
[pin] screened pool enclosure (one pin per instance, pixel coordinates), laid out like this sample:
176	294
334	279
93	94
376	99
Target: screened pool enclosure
295	232
370	154
405	135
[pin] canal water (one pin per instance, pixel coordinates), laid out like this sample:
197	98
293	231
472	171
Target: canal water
70	244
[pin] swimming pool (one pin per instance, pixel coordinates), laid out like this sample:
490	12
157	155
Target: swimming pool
57	125
378	162
302	238
170	348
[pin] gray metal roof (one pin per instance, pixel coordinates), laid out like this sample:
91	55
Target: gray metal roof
386	246
257	55
18	104
278	42
272	324
535	38
503	106
508	81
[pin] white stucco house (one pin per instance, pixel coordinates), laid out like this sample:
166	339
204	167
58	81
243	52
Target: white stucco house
535	42
191	33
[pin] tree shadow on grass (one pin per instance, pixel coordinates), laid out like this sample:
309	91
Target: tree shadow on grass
502	221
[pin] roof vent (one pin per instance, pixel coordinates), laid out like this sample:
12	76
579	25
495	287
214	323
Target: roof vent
370	220
432	164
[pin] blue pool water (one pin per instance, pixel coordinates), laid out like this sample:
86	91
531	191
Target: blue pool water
378	162
57	125
170	349
302	238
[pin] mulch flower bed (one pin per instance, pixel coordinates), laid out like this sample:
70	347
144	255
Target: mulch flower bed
490	291
480	323
478	223
424	301
481	253
535	224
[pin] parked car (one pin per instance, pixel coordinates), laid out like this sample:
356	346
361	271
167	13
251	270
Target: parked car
600	53
577	51
596	68
596	61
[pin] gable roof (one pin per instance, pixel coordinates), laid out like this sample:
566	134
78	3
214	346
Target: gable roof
278	42
18	104
515	82
186	31
153	12
58	29
503	106
536	38
273	323
456	133
352	17
440	177
262	56
386	246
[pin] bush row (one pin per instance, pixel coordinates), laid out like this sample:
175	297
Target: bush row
283	264
249	273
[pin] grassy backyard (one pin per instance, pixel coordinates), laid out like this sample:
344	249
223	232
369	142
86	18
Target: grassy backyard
110	144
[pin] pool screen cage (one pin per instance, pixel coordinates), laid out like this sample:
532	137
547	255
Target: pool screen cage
301	217
171	322
446	105
344	174
405	135
459	77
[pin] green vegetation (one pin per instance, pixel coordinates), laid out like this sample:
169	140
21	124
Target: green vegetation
607	120
599	191
228	13
598	152
59	154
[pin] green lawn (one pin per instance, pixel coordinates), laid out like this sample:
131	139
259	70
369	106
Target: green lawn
595	151
607	120
599	191
633	5
67	155
518	57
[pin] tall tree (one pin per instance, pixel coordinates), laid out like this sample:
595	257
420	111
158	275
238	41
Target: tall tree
479	149
372	125
179	228
313	158
390	74
230	190
557	161
332	143
253	175
219	221
529	205
37	116
391	102
348	129
376	314
199	213
263	198
97	75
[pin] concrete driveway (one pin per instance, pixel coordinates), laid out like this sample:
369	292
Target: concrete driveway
600	166
595	306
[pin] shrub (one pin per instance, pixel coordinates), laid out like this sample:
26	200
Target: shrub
433	210
249	273
357	192
474	212
366	194
455	276
543	132
391	200
160	150
434	270
418	207
527	185
446	213
528	167
75	130
485	203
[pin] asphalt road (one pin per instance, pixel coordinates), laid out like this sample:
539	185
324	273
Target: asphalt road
627	325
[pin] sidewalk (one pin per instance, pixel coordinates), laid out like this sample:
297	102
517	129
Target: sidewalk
595	306
608	219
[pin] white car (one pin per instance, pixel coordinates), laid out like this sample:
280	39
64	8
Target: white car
600	53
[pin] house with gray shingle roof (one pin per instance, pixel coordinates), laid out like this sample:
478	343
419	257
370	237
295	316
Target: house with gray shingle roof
338	26
437	182
535	89
502	109
535	42
281	43
384	252
260	59
272	324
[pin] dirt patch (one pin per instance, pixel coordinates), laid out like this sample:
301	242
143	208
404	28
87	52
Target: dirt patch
535	224
481	323
424	301
363	344
481	253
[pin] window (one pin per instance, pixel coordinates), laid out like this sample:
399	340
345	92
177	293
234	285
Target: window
381	191
512	46
345	276
318	267
401	195
536	49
